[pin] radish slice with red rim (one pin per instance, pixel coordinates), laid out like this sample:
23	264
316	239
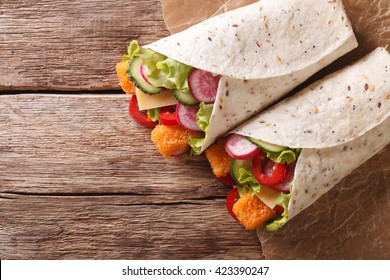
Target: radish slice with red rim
239	147
144	70
186	116
203	86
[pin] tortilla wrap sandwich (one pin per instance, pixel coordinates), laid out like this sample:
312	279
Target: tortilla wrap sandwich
202	82
285	158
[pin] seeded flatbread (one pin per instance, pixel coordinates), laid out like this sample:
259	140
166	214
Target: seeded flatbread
332	111
340	122
262	51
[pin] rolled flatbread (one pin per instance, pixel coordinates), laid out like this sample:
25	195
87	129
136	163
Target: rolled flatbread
262	51
339	122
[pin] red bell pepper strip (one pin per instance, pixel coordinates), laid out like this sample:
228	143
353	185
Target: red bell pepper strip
230	200
140	116
278	175
168	116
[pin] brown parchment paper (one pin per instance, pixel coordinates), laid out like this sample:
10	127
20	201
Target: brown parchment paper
179	15
352	221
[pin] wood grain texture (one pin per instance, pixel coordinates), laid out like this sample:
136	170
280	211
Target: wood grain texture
79	179
71	45
119	227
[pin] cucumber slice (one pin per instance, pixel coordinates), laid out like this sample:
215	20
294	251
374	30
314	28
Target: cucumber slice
134	73
236	165
272	148
184	97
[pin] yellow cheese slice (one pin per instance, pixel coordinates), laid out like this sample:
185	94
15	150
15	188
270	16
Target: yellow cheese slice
162	99
268	196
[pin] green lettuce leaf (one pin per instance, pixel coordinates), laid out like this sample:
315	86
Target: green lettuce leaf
149	57
196	144
202	119
275	224
203	116
163	71
286	156
153	114
132	50
247	182
170	74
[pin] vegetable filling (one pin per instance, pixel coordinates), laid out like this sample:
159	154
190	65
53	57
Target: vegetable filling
154	74
262	174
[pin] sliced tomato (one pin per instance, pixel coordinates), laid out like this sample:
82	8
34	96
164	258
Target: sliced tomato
226	180
273	176
168	116
140	116
230	200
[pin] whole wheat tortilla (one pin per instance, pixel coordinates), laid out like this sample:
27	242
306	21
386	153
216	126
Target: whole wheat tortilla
267	39
350	221
256	95
348	124
333	111
370	20
258	63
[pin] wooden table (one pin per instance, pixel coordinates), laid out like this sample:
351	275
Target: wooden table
78	178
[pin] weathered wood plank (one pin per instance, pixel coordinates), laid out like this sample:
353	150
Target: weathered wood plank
120	227
76	144
71	45
79	179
